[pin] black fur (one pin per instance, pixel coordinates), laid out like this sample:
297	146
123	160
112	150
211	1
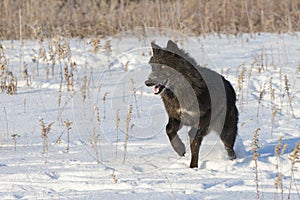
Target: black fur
194	96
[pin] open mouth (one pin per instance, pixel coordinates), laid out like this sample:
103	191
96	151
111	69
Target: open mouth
158	88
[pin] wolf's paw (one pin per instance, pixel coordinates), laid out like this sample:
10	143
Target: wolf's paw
231	154
178	146
194	165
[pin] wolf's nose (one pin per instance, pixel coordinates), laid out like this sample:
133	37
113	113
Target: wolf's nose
149	83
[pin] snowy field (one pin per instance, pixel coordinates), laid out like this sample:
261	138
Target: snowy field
105	137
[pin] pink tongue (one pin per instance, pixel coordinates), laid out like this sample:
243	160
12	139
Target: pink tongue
156	89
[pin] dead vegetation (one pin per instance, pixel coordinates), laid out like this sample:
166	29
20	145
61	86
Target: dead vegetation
78	18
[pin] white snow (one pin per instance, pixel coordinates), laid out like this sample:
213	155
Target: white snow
151	168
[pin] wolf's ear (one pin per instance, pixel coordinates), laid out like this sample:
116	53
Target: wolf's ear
171	46
155	48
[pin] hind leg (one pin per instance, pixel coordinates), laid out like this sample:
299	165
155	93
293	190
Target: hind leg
228	138
229	134
172	127
196	137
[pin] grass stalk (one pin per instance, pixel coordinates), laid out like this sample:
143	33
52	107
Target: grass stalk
128	119
255	148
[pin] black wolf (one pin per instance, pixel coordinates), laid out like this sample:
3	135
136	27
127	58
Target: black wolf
193	96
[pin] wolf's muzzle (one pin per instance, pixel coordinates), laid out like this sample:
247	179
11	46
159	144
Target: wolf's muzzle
150	83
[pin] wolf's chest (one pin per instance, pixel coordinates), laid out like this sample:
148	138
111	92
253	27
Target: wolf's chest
172	106
186	116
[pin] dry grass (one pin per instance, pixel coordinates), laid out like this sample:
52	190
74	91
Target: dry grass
95	145
14	137
68	124
8	82
117	121
128	119
45	130
261	96
78	18
295	158
255	147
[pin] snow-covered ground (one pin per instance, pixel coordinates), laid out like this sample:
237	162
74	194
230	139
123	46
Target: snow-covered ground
108	81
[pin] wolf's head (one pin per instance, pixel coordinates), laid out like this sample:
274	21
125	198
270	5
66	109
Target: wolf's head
158	78
169	66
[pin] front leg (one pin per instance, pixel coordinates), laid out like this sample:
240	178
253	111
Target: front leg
172	127
196	137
